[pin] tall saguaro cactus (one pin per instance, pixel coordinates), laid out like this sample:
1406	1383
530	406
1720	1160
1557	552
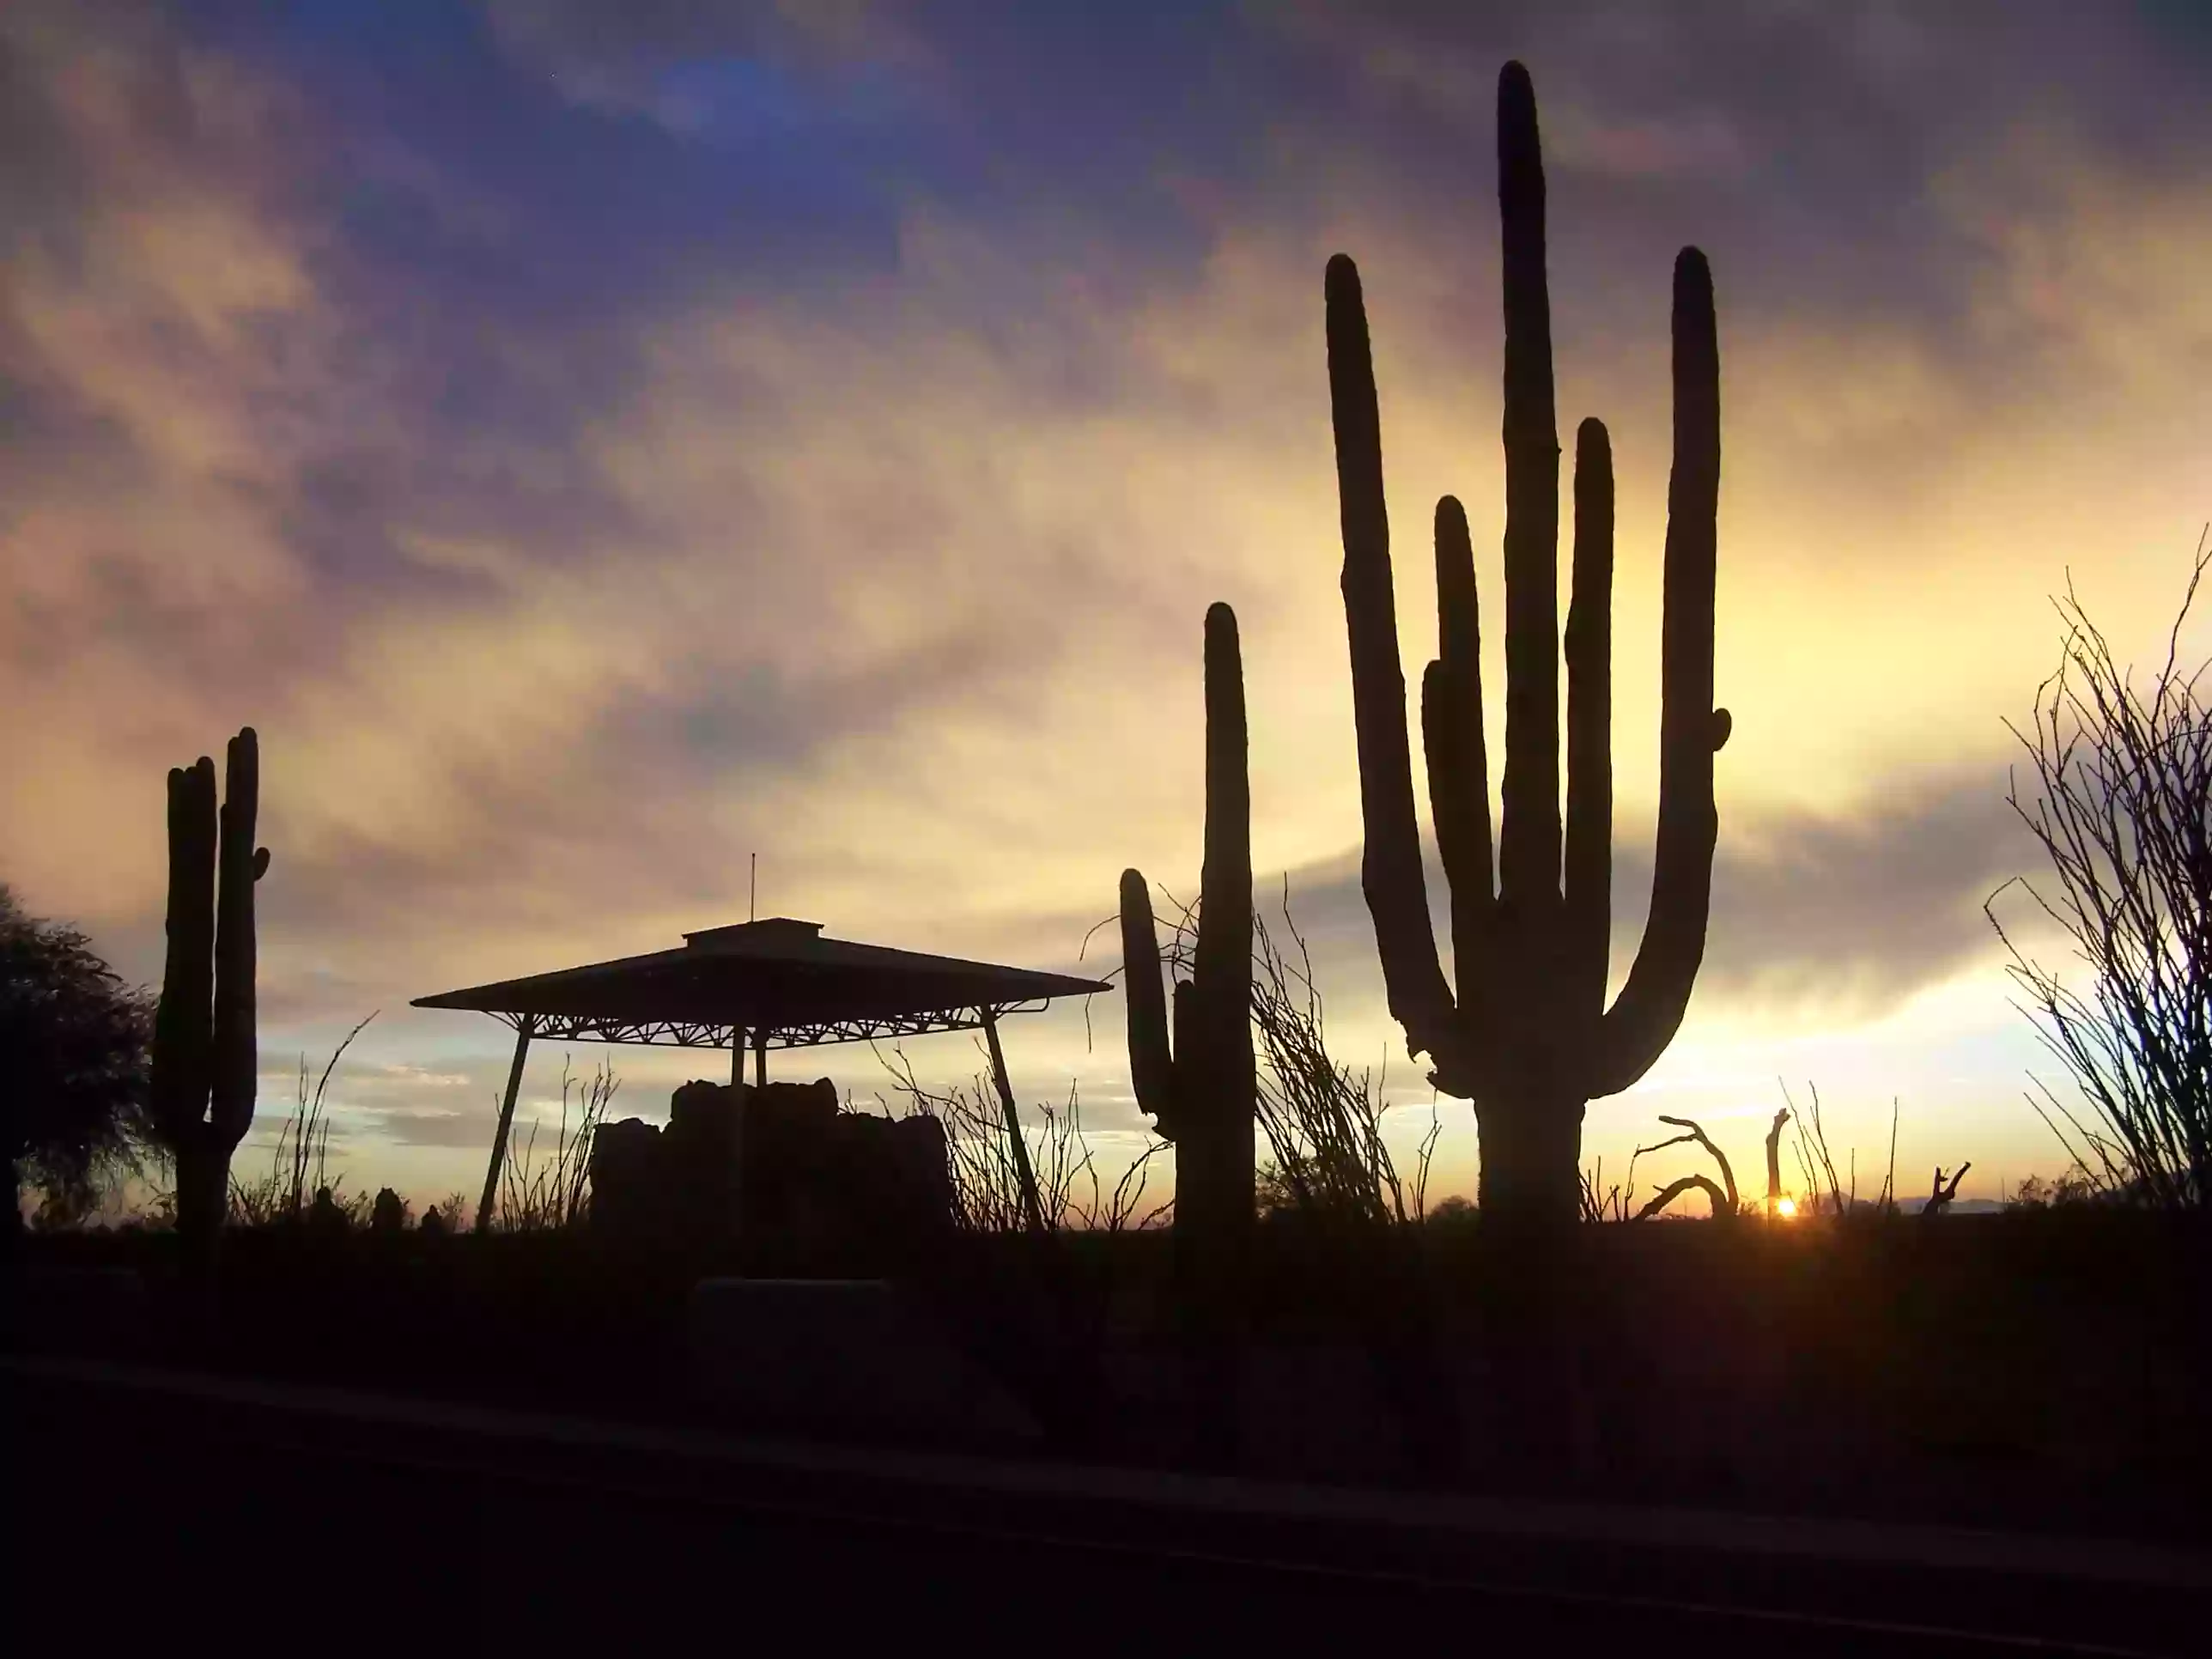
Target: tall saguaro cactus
1199	1086
1528	1036
204	1046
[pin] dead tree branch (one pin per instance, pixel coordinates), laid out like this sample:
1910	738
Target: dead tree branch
1941	1196
1705	1140
1675	1189
1813	1155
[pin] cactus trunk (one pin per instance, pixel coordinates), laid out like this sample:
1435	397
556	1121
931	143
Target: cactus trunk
1191	1061
1221	971
1195	1076
234	1057
204	1042
1527	1037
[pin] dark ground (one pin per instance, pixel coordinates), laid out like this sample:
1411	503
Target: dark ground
326	1517
2037	1374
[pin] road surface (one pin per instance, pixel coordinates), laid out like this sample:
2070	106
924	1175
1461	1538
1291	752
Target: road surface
302	1514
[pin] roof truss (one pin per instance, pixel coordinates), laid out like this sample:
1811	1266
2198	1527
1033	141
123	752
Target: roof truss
686	1034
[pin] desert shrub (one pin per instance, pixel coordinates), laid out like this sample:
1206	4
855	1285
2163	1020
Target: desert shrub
1322	1123
2075	1186
1602	1202
2122	808
555	1194
1326	1159
986	1185
299	1159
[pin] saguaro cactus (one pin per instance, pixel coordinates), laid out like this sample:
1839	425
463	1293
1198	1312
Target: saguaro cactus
1200	1087
205	1047
1528	1038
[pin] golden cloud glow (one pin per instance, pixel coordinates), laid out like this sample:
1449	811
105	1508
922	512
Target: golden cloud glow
903	574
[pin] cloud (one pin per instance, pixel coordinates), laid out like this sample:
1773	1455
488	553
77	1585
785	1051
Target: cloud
1827	918
1858	915
734	77
581	482
471	1132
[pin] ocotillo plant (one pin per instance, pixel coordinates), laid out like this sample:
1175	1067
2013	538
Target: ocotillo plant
205	1049
1199	1086
1528	1038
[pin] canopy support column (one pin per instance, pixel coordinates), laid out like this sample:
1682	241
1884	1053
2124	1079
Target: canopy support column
1031	1208
737	1131
523	1027
760	1057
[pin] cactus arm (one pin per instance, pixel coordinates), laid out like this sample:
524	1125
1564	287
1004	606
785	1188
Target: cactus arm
235	1058
1390	861
1589	859
1459	767
1642	1021
1444	719
1151	1062
1529	834
179	1082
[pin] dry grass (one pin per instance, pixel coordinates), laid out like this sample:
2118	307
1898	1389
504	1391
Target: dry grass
1324	1125
987	1186
554	1195
299	1161
1326	1156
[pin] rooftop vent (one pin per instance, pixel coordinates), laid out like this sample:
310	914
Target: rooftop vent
769	931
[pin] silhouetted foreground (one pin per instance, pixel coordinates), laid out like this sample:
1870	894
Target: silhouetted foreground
2044	1373
1525	1032
204	1051
429	1522
2031	1370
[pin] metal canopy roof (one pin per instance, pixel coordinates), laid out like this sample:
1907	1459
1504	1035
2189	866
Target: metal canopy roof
777	980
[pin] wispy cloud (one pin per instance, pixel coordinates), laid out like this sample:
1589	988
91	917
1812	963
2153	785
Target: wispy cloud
662	435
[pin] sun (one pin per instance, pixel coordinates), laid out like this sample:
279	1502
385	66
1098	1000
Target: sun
1785	1208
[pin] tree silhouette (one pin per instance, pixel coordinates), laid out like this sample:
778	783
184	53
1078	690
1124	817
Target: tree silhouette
74	1047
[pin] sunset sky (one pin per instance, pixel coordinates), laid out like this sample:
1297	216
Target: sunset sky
592	443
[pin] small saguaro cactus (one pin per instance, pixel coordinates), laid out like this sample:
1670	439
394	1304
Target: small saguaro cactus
205	1052
1528	1038
1198	1083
